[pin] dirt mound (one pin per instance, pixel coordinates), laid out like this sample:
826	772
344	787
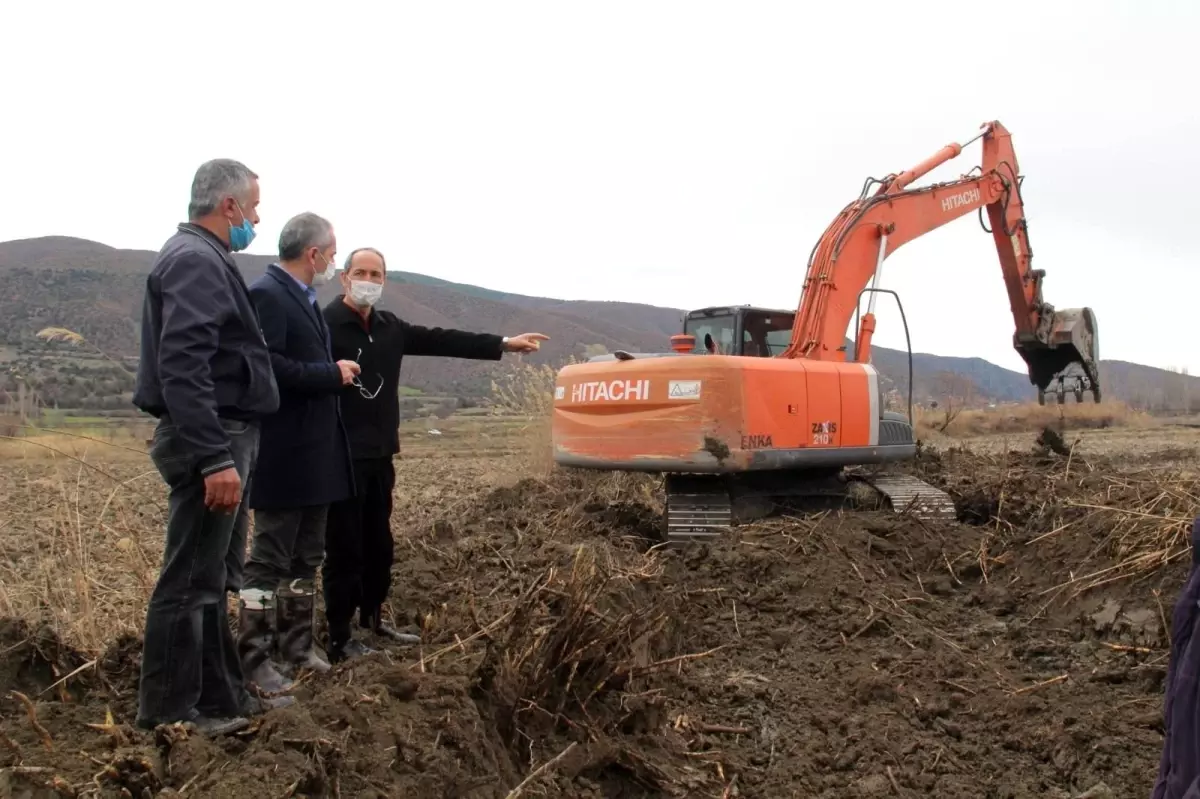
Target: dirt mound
375	729
1018	653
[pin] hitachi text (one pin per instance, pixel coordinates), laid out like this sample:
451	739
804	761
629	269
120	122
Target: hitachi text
967	197
614	390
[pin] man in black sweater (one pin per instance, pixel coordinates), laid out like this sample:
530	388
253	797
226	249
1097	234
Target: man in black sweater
206	375
356	574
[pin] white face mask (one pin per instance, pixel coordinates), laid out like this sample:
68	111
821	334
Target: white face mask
321	278
364	293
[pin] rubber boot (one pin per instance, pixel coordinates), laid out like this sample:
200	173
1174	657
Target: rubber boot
372	619
256	641
296	613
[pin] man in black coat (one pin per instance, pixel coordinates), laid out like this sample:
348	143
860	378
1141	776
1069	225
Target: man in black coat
304	462
205	375
358	541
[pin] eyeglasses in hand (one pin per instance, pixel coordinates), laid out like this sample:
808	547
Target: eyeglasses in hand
357	382
363	390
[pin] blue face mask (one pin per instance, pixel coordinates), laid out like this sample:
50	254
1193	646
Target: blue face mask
241	235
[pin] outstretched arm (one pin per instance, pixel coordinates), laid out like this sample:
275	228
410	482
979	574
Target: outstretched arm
449	343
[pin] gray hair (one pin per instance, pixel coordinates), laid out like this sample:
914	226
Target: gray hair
301	232
350	257
214	181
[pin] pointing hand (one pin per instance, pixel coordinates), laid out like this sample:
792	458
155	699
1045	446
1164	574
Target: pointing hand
526	342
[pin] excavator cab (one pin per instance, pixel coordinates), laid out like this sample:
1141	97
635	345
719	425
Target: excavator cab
738	330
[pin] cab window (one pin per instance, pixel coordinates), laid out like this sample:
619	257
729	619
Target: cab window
721	328
766	335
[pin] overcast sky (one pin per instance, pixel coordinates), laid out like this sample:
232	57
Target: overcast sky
681	154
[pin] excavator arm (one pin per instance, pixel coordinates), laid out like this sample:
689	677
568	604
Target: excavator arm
848	260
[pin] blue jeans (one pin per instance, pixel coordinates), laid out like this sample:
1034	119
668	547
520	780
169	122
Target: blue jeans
190	664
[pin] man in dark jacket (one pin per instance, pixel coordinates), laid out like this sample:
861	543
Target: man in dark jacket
358	541
1179	768
205	375
304	462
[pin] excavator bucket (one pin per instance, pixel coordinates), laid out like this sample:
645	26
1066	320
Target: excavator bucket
1069	360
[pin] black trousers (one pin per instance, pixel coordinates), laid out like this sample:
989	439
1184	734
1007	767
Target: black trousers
190	664
288	545
357	572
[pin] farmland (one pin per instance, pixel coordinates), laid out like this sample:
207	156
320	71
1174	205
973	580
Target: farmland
1019	652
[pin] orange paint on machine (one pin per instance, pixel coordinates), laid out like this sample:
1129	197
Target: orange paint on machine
711	414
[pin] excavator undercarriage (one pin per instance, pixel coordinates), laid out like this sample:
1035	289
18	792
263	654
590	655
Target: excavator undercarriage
700	507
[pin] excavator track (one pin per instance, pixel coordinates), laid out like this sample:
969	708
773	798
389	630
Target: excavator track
697	513
700	508
911	495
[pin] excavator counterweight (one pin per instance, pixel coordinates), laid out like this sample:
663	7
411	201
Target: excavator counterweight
754	409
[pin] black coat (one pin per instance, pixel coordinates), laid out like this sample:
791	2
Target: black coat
379	348
203	355
304	457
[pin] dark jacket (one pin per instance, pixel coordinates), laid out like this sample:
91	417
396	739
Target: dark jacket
373	424
1179	768
303	456
203	355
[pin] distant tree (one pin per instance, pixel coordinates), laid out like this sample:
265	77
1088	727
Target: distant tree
954	392
446	408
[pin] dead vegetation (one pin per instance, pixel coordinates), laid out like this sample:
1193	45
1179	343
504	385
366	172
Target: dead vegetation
565	655
1137	520
957	422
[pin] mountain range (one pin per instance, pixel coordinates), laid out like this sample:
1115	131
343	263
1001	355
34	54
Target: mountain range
96	290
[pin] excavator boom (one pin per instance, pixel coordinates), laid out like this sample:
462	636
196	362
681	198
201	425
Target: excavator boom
848	260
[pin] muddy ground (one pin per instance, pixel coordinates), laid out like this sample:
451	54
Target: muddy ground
837	655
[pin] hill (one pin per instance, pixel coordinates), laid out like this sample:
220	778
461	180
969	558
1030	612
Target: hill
96	290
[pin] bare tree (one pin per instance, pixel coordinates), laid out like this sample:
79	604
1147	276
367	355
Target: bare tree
956	391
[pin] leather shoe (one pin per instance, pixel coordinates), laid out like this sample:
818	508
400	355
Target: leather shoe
373	620
214	726
391	633
352	648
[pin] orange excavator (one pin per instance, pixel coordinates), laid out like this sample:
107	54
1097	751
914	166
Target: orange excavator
756	408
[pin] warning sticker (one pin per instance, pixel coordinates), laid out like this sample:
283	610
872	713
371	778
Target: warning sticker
683	390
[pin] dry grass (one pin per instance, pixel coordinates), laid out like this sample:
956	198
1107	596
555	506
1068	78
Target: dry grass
1027	418
571	637
541	594
1136	520
526	391
80	543
82	516
1142	521
33	442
